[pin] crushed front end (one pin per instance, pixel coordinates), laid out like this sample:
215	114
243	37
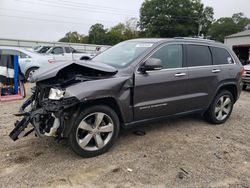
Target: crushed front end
48	111
50	108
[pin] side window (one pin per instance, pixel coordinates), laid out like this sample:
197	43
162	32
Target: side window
57	50
198	55
221	56
67	50
170	55
72	50
23	55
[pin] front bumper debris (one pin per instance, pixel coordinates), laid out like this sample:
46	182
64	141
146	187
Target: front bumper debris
35	116
20	126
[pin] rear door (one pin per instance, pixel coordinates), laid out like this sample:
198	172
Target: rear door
203	76
162	92
223	58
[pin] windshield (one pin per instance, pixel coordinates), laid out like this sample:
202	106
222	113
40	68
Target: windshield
122	54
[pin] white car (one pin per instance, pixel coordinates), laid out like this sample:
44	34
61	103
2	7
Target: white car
64	53
29	61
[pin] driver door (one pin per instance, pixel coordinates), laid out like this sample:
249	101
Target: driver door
162	92
58	54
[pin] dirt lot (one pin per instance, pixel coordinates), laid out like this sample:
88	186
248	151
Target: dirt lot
184	152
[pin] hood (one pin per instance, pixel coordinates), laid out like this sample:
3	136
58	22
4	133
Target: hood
247	67
51	70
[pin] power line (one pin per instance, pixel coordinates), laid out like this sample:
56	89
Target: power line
92	5
42	19
54	15
57	21
74	8
71	17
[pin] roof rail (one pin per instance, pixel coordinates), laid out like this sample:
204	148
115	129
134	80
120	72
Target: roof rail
193	38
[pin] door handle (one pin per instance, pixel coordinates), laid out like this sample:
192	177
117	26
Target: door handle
216	70
180	74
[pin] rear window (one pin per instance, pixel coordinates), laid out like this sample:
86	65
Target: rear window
221	56
198	55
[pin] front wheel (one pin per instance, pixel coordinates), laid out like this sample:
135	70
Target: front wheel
94	131
221	108
30	71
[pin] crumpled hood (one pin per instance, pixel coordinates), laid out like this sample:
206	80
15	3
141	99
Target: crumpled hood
51	70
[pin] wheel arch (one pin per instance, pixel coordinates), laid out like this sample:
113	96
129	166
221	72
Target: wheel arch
107	101
30	68
85	58
231	87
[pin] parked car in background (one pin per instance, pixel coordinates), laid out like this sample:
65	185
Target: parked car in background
101	49
246	77
62	53
42	49
133	82
29	61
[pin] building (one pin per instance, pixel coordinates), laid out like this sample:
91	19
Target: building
240	43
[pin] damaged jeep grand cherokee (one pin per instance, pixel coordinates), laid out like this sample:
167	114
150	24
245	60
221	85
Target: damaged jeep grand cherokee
136	81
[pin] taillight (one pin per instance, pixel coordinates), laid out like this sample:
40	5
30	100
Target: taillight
51	61
243	72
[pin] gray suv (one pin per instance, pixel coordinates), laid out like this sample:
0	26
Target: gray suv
134	82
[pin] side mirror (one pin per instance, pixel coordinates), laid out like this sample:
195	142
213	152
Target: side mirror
151	64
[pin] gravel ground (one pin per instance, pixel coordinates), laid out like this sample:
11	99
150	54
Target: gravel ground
183	152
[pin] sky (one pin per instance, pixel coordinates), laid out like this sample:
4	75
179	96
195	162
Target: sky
49	20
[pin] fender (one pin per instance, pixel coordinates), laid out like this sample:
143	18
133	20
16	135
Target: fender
110	101
218	88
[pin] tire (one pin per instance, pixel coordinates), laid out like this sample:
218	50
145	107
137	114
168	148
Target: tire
29	71
217	114
244	87
85	58
86	134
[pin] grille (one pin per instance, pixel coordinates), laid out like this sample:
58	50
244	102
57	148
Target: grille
248	73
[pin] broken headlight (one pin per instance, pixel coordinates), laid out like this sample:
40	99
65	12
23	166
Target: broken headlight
56	94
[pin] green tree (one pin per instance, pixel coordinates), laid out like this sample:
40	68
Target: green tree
97	34
131	27
228	26
171	18
116	34
73	37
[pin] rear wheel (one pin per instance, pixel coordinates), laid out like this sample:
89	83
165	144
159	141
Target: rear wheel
221	108
85	58
244	87
94	131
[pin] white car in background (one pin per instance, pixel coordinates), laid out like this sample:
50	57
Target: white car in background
29	61
65	53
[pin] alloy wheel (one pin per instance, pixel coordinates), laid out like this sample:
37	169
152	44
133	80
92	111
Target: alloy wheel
223	107
95	131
